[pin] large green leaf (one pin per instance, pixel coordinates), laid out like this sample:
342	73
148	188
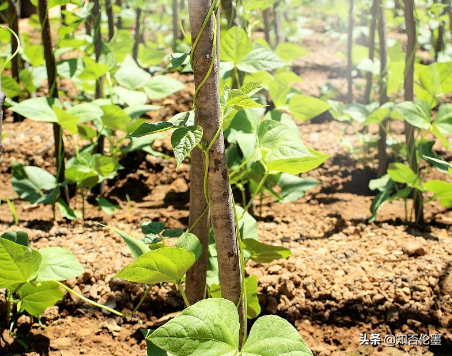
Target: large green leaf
274	336
161	86
184	140
37	109
304	107
401	173
241	101
92	70
17	263
66	120
148	128
290	51
263	253
19	237
191	243
57	264
86	112
443	119
136	247
235	45
207	328
36	298
252	301
34	184
417	113
260	59
293	187
167	264
442	190
130	75
283	150
114	117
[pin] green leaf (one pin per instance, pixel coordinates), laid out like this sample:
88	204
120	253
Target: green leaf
247	224
240	101
172	233
177	59
260	59
136	247
106	206
167	264
34	184
304	107
252	5
274	336
114	117
18	263
161	86
66	211
191	243
66	120
401	173
235	45
130	75
38	109
293	187
138	110
184	140
283	150
152	350
86	112
105	166
92	70
263	253
207	328
131	97
10	87
443	119
417	113
36	298
148	128
289	51
18	237
152	227
57	264
150	56
252	301
442	190
35	55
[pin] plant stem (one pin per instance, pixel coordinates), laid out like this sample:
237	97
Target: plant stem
351	23
257	191
182	292
8	307
2	103
409	96
53	91
89	301
372	29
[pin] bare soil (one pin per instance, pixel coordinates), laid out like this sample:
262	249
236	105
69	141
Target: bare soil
345	277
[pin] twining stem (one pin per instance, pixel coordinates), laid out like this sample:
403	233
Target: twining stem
182	292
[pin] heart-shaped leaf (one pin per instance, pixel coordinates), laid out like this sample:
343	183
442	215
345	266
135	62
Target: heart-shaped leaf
36	298
207	328
57	264
184	140
167	264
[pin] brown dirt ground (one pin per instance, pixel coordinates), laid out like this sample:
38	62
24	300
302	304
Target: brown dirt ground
345	276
